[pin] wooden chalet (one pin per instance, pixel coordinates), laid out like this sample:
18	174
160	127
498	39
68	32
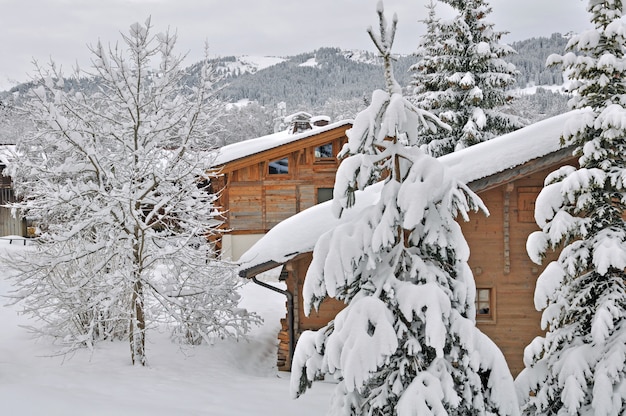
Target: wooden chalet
268	179
507	173
9	225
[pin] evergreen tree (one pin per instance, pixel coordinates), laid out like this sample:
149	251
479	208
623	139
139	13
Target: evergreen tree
530	60
406	343
426	79
462	77
579	366
117	181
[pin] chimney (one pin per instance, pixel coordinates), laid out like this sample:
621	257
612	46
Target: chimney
320	121
299	122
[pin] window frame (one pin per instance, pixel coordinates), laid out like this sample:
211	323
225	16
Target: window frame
275	174
325	159
317	194
489	317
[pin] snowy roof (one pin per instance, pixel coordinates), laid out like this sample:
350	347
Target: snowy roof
6	153
319	118
508	151
251	147
299	233
300	115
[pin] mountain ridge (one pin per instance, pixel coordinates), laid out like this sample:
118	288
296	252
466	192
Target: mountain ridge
331	81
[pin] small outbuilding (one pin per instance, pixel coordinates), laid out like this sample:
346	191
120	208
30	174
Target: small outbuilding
507	173
10	225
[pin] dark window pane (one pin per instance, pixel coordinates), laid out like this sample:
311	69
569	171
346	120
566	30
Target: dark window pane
483	303
324	194
324	151
279	167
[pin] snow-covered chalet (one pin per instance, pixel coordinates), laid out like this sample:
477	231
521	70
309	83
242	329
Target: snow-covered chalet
268	179
507	173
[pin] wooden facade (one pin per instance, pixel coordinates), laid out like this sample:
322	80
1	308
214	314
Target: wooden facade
9	225
265	187
504	274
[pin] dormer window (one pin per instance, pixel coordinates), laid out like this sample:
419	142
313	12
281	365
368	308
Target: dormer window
279	166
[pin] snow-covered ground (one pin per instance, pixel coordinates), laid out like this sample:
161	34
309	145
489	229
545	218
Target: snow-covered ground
230	378
249	64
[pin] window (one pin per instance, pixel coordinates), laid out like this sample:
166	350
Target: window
279	167
324	151
324	194
6	195
484	304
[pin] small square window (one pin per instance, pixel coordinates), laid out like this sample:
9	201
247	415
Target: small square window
324	194
484	304
279	167
324	151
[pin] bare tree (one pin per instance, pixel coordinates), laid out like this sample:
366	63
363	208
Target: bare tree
118	181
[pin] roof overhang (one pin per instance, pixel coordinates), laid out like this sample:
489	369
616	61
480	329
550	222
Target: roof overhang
233	156
493	181
257	269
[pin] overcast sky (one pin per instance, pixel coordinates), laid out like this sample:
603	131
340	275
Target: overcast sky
62	29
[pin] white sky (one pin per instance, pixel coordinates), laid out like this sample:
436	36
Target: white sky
62	29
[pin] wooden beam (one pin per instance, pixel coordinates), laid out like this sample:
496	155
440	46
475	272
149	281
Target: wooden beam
316	139
506	227
258	269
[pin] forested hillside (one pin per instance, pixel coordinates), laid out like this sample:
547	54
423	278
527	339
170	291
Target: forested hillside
531	60
540	95
327	81
311	79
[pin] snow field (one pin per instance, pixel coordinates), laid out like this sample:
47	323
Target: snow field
230	378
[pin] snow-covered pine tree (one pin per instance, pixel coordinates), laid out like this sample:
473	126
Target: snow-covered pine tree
427	81
461	77
117	181
406	343
579	367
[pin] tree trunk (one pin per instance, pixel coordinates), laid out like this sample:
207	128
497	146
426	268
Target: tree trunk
137	333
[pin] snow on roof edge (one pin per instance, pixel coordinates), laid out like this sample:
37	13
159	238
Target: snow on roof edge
239	150
6	153
299	233
509	150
